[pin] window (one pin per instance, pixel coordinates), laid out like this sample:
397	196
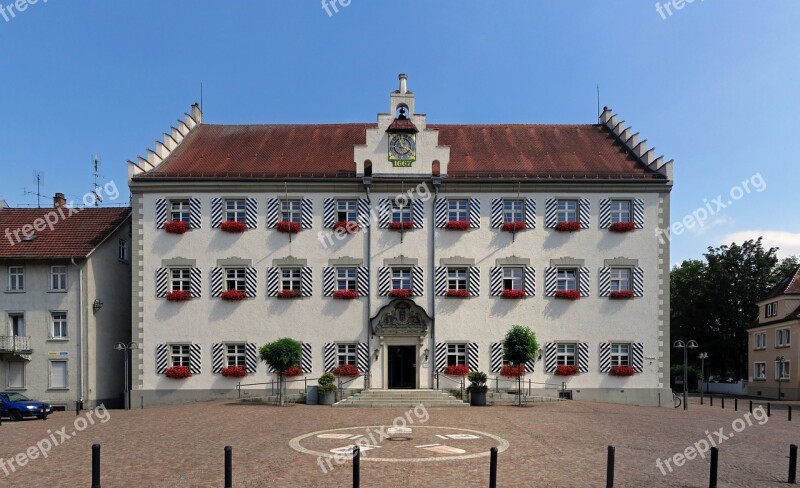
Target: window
401	210
346	354
235	355
401	279
512	278
291	211
234	279
512	211
760	371
234	211
58	278
181	280
456	279
783	369
457	211
456	354
620	279
59	329
346	279
346	211
760	340
179	211
16	278
179	355
565	354
290	279
783	338
567	280
58	375
17	322
15	374
123	250
620	354
567	211
771	309
620	211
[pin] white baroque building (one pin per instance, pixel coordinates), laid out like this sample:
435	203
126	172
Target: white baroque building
410	247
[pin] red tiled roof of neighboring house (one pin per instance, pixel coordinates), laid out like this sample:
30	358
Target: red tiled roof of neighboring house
790	285
326	151
72	236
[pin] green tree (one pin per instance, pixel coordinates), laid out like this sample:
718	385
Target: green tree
281	355
784	268
519	347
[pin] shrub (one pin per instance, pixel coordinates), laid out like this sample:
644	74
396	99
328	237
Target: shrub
233	227
458	225
566	370
621	294
327	382
513	371
233	295
346	370
514	294
513	226
345	295
234	372
293	371
622	227
622	371
178	296
288	227
177	372
456	370
176	227
458	293
568	226
568	294
477	382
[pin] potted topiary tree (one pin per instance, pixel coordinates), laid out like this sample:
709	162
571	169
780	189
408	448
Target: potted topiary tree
477	388
519	347
282	355
327	389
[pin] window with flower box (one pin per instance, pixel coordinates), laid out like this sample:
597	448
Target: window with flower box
235	211
513	211
179	211
783	338
456	354
291	279
620	354
235	355
180	355
567	279
457	279
346	279
401	279
346	211
760	371
346	354
181	279
401	211
565	354
457	211
760	340
567	211
512	279
235	279
291	211
620	211
620	279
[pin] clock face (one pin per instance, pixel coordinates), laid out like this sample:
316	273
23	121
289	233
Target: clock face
402	148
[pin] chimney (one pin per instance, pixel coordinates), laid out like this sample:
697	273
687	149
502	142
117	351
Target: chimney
403	84
59	201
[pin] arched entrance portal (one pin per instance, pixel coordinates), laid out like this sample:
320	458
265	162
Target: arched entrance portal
403	352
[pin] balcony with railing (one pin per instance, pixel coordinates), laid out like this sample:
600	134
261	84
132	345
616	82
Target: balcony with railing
15	344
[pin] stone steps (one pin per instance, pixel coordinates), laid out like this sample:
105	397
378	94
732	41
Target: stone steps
401	398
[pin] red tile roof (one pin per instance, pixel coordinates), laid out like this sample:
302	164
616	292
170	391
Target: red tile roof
72	236
326	151
790	285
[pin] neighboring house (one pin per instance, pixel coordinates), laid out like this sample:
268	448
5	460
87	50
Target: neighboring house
469	224
776	336
56	338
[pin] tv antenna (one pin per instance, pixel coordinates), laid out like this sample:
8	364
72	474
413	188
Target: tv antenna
96	176
38	180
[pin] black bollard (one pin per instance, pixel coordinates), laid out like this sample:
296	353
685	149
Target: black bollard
792	464
96	466
712	482
723	402
751	406
493	468
711	400
228	467
356	467
769	409
610	468
735	404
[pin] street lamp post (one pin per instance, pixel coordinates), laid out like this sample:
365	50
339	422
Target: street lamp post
780	360
685	346
703	356
125	348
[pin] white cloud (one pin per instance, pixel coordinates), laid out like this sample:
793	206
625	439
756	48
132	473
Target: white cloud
787	242
720	220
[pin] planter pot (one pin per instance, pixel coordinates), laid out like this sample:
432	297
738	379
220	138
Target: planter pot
312	395
327	398
477	399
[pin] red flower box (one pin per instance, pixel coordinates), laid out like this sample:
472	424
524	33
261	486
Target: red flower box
233	227
345	295
513	226
622	371
178	296
621	295
177	372
293	371
622	227
401	293
401	225
234	372
458	293
288	294
349	227
566	370
346	370
456	370
233	295
568	294
568	226
176	227
514	294
513	371
458	225
288	227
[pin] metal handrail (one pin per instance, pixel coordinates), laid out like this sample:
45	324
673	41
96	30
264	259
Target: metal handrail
460	380
498	379
272	384
340	383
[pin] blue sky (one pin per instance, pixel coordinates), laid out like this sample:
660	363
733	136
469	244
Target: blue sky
714	86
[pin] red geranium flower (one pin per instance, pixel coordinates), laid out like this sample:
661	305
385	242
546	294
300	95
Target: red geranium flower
458	293
513	371
178	296
622	227
568	294
621	295
233	227
293	371
233	295
401	225
514	294
349	227
176	227
456	370
568	226
289	294
566	370
288	227
401	293
177	372
622	371
513	226
234	372
345	295
458	225
346	370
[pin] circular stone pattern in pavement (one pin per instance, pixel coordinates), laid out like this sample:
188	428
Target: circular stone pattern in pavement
426	444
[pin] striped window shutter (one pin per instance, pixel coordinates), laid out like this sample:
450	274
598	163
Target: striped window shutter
195	359
362	281
530	365
251	282
273	281
550	359
440	357
363	212
328	213
328	281
418	281
162	282
638	281
583	281
217	358
529	281
474	213
604	280
306	213
384	213
251	357
474	281
637	356
196	282
162	358
605	213
418	213
584	212
440	281
583	357
496	357
251	213
496	281
605	357
638	213
272	212
306	281
216	213
473	359
362	357
161	213
306	363
551	213
550	281
384	281
440	213
329	357
497	213
530	213
216	282
194	213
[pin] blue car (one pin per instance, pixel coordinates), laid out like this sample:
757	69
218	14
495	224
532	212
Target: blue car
17	406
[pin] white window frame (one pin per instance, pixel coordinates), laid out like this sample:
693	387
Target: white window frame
59	324
235	355
180	211
180	279
513	211
346	210
21	322
180	355
787	369
58	279
620	354
235	210
783	337
346	354
16	278
20	364
620	279
50	364
291	279
512	278
566	354
458	210
401	212
291	211
346	279
401	279
621	211
567	210
456	354
567	279
759	341
457	279
760	370
771	309
235	279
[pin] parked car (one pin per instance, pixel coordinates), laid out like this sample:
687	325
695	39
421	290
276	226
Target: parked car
17	406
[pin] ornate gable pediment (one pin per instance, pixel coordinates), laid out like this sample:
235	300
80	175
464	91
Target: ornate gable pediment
401	318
